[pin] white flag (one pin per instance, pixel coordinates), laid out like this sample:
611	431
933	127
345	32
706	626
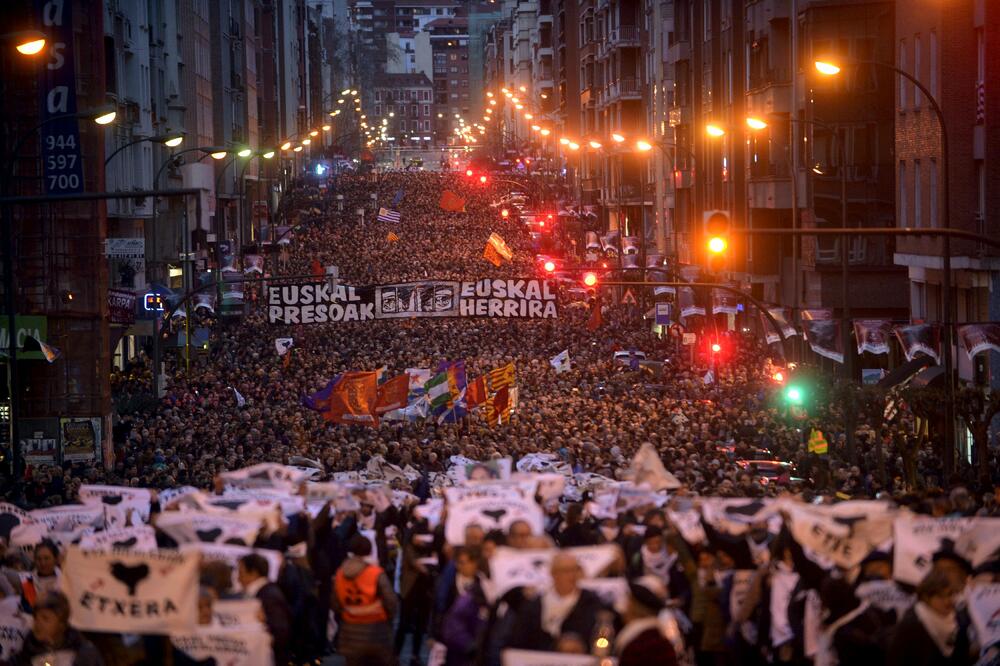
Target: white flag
561	362
131	592
709	377
282	345
240	400
984	608
647	468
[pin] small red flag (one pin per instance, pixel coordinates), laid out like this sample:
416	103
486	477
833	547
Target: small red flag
475	393
393	394
317	269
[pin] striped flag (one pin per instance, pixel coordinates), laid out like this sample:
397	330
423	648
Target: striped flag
391	237
386	215
475	395
451	202
502	377
446	392
496	250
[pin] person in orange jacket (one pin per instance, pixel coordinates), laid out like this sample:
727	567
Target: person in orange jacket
365	604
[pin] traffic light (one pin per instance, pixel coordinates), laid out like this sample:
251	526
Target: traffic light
482	179
549	266
504	213
590	279
795	395
716	231
468	172
778	377
716	348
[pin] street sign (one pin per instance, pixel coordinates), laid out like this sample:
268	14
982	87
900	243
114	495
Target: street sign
663	314
689	339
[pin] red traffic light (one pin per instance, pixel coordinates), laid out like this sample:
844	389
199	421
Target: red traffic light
778	377
716	347
468	172
590	279
504	213
549	266
482	179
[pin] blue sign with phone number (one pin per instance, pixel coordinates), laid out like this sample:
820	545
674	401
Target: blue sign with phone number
62	168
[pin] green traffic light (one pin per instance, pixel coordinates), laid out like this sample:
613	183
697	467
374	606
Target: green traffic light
794	395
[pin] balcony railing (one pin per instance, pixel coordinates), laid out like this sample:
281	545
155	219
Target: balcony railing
626	35
629	88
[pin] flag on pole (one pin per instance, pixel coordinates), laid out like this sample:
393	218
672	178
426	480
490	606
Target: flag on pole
283	345
491	255
396	200
320	400
596	320
561	362
501	377
446	392
475	394
31	343
391	237
353	399
500	245
709	377
451	202
393	394
386	215
240	400
817	442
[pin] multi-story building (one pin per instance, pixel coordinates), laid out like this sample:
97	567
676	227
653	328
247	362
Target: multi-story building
947	49
405	101
450	54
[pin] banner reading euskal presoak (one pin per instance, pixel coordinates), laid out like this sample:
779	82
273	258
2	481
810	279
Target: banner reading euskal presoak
318	303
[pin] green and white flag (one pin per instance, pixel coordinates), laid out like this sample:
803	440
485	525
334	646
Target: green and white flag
438	390
561	362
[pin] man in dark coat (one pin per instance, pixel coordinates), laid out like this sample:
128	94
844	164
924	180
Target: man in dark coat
564	609
252	575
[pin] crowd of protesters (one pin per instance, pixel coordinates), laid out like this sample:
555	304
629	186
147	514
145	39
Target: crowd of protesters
240	404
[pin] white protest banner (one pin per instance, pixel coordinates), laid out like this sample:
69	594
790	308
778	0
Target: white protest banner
10	517
491	512
984	609
510	568
251	505
631	497
647	470
264	475
119	503
14	626
430	511
842	533
221	552
232	646
917	539
885	595
782	585
129	592
141	538
544	462
237	612
26	536
68	517
171	497
535	658
688	523
198	527
735	516
612	591
980	542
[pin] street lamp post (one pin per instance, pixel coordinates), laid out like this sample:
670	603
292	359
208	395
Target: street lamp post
832	69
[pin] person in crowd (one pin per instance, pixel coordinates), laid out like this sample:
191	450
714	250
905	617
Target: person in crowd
44	576
51	635
464	621
565	608
366	606
642	639
252	572
927	635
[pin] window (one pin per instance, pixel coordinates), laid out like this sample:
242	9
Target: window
902	80
933	63
932	210
917	73
378	109
917	203
903	220
427	109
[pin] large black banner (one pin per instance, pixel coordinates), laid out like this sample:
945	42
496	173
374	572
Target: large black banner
317	303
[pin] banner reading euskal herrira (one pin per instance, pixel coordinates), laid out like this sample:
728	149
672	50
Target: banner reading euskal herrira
321	302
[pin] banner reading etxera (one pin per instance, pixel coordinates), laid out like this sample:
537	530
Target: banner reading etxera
317	303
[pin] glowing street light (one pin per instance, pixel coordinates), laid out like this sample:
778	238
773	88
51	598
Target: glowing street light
174	141
545	131
286	145
596	145
326	128
30	43
617	138
564	141
756	123
306	142
218	155
246	152
827	68
297	149
268	155
714	130
573	145
643	146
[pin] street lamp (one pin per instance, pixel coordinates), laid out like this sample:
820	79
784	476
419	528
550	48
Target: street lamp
171	140
714	131
643	146
26	42
828	68
756	123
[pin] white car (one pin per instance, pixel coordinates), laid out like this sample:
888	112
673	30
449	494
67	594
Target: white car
626	358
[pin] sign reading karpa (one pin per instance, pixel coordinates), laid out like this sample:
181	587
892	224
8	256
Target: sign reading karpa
129	592
318	303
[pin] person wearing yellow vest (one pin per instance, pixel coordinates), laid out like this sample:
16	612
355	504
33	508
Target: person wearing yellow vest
365	604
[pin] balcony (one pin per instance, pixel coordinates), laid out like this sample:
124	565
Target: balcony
588	50
587	97
770	98
624	37
679	51
623	89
